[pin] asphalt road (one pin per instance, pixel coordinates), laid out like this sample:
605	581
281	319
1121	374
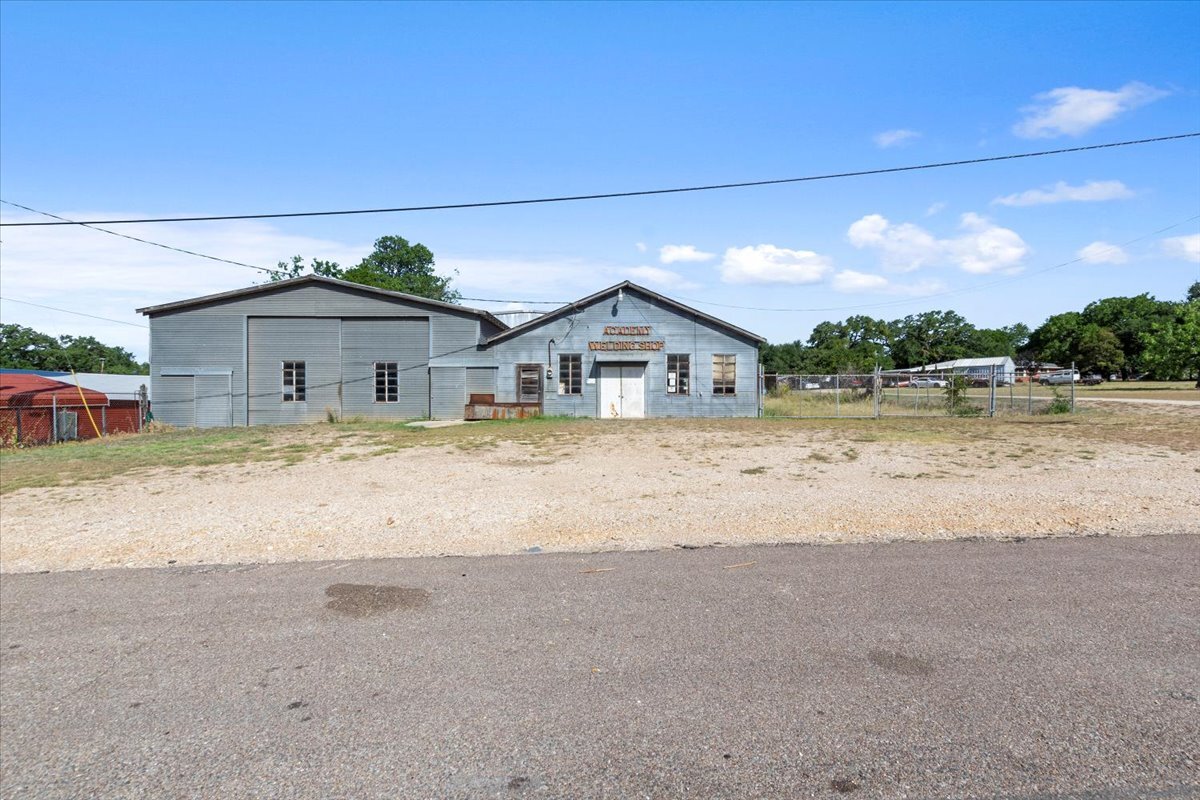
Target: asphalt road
1060	668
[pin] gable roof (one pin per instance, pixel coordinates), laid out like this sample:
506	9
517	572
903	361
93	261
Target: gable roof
319	279
623	286
35	391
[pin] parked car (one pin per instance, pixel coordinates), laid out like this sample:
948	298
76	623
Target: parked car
1059	378
928	383
1091	379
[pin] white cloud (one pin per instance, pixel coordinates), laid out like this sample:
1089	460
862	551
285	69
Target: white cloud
850	281
936	208
1072	111
984	247
641	247
1090	192
1183	247
673	253
1103	253
895	138
903	247
766	263
663	278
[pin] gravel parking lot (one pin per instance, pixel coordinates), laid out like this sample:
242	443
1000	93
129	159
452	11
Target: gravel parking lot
587	486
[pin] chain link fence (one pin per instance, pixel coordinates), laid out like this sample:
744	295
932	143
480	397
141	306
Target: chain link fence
917	394
27	419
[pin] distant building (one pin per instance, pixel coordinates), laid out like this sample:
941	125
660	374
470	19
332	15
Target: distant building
976	369
304	349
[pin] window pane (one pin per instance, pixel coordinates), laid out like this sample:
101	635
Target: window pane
387	382
293	381
570	374
724	374
678	369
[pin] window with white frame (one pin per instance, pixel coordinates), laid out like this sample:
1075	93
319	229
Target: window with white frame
293	382
570	374
724	374
679	373
387	382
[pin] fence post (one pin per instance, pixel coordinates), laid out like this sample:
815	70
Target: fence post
876	388
1029	383
53	419
837	396
143	402
992	393
19	431
104	420
1072	387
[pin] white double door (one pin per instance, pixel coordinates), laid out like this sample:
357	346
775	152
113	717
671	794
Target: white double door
622	391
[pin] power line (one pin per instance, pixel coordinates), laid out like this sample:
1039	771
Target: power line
66	221
69	311
950	292
612	195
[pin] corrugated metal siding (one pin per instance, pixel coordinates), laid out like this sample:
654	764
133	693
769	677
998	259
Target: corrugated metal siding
448	397
185	342
315	341
405	341
214	405
681	334
481	380
176	404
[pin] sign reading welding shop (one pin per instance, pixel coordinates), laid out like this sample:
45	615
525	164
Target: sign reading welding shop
626	330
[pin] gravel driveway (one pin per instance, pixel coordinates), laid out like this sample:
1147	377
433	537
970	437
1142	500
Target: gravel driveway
595	487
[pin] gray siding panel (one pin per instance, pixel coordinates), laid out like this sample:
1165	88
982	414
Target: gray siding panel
214	404
448	395
481	380
366	341
175	400
314	341
183	342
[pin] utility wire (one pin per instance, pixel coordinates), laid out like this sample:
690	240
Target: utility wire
611	195
66	221
950	292
69	311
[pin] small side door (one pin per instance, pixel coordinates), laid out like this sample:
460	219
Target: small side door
529	384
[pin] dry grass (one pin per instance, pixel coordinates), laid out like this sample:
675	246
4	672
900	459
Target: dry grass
550	439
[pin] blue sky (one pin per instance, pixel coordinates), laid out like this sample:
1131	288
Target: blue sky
116	110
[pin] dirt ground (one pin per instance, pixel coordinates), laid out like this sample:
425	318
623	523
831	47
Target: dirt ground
624	486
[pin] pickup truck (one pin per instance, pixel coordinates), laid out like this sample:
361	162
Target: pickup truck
1065	377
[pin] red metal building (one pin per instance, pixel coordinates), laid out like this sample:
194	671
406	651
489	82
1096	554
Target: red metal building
39	410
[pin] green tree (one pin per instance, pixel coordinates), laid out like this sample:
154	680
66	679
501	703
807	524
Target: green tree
1172	346
1099	350
398	266
1128	318
1193	293
1057	339
25	348
296	268
928	338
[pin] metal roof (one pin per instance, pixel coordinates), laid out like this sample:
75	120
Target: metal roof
123	386
36	391
277	285
623	286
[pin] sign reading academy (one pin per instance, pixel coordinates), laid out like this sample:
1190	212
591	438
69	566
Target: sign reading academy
626	330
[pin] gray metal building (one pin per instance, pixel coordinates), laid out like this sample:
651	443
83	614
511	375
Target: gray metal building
302	349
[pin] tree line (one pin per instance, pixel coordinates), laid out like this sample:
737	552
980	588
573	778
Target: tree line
25	348
1125	336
